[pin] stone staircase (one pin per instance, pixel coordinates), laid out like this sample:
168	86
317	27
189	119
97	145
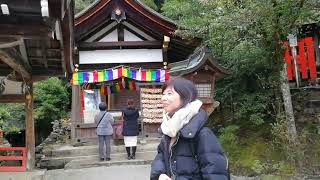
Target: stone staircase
69	157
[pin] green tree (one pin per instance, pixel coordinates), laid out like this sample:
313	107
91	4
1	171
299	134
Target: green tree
51	99
12	117
151	4
51	102
247	36
82	4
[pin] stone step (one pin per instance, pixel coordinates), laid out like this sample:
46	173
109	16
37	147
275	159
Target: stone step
59	155
142	158
313	103
69	150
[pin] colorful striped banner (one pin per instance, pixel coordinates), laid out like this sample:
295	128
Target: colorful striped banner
102	90
115	73
110	74
75	79
133	74
118	88
139	74
108	90
85	77
105	76
120	72
130	85
162	76
153	75
124	72
95	76
100	76
90	77
143	76
148	76
158	75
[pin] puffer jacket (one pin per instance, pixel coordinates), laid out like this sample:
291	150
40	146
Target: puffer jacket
130	124
196	154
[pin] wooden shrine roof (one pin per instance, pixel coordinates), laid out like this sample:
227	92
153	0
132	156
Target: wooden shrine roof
99	15
34	45
202	58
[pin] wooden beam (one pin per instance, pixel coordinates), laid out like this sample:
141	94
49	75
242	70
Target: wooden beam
44	54
48	49
48	58
12	98
120	33
93	33
61	41
135	33
48	72
120	45
107	66
24	53
14	60
25	31
30	137
67	26
18	6
10	44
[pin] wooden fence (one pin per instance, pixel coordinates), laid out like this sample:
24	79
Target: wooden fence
10	154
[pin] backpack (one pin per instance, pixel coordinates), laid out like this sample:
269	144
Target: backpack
194	154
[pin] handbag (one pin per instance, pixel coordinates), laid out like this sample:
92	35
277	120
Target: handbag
118	128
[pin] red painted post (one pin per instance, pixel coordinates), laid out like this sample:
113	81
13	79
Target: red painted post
311	59
302	60
289	61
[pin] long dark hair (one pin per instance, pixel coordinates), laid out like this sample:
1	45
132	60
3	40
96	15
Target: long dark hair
185	88
131	104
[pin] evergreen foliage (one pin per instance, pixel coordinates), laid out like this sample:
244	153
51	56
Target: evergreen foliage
51	102
247	36
82	4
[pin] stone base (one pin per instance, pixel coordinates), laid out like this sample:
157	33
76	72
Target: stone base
151	128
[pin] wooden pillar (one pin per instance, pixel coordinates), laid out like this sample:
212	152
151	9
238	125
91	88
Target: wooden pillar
75	111
30	141
109	101
213	85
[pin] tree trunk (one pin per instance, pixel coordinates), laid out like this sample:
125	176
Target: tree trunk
286	95
291	125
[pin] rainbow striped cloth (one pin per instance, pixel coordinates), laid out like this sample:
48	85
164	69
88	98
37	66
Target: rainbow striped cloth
118	87
158	75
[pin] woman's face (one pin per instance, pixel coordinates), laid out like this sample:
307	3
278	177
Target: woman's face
171	100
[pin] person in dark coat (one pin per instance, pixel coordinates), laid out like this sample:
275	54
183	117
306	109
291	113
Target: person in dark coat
188	150
104	121
130	131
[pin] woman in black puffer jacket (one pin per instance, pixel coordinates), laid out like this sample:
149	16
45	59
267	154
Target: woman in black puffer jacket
188	149
130	131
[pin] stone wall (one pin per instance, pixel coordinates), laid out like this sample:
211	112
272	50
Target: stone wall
306	104
61	130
